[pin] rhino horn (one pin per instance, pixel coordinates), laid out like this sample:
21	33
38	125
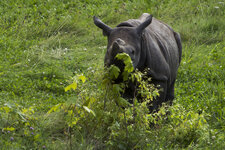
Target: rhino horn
116	48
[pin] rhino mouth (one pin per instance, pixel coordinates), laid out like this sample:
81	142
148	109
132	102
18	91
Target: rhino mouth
120	64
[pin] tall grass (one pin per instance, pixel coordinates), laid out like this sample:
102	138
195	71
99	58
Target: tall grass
43	44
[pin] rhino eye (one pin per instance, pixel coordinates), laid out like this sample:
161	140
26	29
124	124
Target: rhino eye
132	52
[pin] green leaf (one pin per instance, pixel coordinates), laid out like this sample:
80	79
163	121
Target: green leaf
71	86
89	101
127	61
22	115
89	110
36	137
122	102
125	75
117	88
114	72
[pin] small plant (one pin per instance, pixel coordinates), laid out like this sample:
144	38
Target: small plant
110	112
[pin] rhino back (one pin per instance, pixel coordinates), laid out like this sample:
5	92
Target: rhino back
160	51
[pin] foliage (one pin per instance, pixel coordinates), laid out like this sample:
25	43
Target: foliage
121	121
45	43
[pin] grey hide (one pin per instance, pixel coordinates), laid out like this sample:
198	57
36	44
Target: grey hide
151	44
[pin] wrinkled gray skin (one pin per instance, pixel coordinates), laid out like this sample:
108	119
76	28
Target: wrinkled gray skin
151	44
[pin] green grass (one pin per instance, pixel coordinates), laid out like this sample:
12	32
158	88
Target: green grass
43	44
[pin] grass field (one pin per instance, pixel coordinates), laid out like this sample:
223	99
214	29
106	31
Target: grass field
47	45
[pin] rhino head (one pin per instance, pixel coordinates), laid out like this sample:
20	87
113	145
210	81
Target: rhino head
123	39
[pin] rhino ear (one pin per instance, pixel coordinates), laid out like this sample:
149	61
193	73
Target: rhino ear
106	29
144	24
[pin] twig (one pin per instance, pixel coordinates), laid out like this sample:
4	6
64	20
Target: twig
125	119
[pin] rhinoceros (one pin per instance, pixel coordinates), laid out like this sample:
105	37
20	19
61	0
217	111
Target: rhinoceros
151	44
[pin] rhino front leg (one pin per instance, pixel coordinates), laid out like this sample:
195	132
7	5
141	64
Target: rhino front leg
170	93
157	102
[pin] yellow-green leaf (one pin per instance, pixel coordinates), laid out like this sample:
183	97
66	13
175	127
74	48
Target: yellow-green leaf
9	129
7	109
71	86
26	132
82	78
36	137
55	108
74	122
